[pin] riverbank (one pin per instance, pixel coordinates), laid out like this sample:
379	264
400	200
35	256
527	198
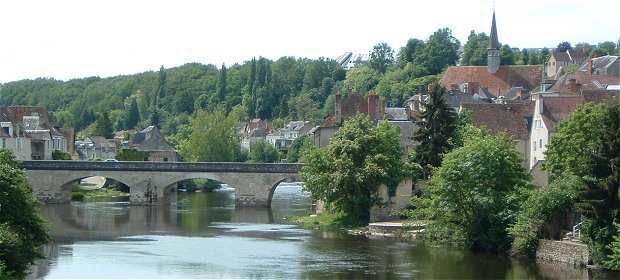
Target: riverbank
103	194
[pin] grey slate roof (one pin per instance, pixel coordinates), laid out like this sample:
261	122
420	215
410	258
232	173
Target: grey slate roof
150	139
493	40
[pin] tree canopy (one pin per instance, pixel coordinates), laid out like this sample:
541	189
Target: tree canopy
347	173
22	230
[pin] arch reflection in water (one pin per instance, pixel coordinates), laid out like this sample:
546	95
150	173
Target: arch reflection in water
205	236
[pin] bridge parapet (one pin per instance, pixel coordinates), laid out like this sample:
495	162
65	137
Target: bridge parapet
224	167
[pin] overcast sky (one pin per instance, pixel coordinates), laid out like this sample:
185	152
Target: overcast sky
70	39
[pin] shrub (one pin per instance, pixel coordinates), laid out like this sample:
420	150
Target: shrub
77	196
539	208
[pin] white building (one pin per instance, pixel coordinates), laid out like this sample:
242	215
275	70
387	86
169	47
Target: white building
27	132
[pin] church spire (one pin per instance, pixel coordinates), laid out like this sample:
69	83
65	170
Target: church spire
493	41
493	53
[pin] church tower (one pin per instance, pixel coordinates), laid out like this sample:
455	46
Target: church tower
493	56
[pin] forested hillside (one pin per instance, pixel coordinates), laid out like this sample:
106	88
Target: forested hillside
288	88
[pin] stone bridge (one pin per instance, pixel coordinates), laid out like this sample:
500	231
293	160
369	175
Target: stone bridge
155	182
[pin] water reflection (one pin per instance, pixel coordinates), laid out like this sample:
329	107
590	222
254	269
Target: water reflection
205	236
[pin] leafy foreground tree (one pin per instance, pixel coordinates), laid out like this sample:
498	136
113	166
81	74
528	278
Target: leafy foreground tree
348	172
213	138
262	151
299	148
475	194
437	126
540	208
22	230
588	145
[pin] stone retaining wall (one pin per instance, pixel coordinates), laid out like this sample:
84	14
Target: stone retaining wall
563	251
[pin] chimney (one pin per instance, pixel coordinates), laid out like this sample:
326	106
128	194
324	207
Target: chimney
590	70
572	85
338	108
373	106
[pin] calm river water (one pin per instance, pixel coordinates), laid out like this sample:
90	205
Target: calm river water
205	236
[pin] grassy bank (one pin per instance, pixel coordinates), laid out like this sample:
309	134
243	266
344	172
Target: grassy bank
84	195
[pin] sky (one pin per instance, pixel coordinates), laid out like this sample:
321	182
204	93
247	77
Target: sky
67	39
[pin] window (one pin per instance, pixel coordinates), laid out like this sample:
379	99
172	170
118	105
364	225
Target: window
538	123
540	143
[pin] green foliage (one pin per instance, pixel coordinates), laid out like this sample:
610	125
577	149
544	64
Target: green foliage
262	151
213	138
475	194
326	220
541	206
302	107
133	115
381	57
131	154
437	127
22	230
588	145
347	173
613	260
60	155
77	196
411	52
103	126
299	148
507	55
440	51
362	79
475	50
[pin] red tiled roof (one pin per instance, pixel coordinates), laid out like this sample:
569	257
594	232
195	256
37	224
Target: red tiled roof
559	108
585	79
507	77
512	119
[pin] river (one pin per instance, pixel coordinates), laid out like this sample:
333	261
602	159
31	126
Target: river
205	236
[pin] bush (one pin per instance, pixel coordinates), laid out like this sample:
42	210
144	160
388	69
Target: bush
60	155
77	196
539	208
262	151
131	155
613	259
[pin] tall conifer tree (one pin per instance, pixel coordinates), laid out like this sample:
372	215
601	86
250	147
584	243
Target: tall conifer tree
437	126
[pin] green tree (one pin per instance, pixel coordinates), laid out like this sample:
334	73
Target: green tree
103	126
440	51
362	79
540	208
507	55
475	50
221	84
131	155
381	57
133	115
588	145
348	172
476	193
437	126
564	46
22	230
60	155
411	52
303	108
262	151
299	147
213	138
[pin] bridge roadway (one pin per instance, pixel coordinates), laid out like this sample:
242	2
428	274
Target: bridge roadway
155	182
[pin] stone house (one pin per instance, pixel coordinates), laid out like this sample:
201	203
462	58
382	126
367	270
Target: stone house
512	119
28	133
558	61
254	131
284	137
153	142
346	107
608	65
103	148
596	74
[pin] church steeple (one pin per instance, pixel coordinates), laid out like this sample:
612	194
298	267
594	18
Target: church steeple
493	54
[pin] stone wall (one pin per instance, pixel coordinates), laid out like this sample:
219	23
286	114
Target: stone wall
563	251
